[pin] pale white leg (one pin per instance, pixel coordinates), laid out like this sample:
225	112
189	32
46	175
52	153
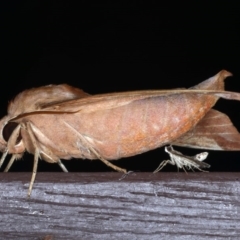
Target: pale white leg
163	164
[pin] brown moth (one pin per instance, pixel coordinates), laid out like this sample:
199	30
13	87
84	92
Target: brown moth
61	122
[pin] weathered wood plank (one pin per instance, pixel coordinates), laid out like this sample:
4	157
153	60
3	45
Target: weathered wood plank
101	206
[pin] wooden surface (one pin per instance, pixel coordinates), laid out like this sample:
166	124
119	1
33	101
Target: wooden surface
104	206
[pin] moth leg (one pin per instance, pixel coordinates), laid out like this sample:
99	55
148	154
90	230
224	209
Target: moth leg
36	156
49	155
10	163
62	166
116	168
125	175
11	142
3	158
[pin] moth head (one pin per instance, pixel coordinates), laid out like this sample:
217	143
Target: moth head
10	136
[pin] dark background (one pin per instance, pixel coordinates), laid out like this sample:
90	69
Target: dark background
114	47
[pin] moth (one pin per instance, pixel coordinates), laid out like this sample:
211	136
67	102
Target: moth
57	122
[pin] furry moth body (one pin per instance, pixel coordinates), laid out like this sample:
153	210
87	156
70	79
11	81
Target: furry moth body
61	122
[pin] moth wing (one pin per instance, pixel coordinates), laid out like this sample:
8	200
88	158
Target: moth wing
108	101
215	132
212	86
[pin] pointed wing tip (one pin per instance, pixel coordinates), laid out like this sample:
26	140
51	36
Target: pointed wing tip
224	73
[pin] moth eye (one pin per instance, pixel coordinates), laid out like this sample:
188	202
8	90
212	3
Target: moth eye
8	130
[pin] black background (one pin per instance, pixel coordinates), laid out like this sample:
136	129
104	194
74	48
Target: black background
114	47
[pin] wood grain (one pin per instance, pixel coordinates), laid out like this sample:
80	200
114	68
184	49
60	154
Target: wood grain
104	206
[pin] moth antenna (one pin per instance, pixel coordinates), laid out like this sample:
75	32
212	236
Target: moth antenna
116	168
10	163
3	158
62	166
